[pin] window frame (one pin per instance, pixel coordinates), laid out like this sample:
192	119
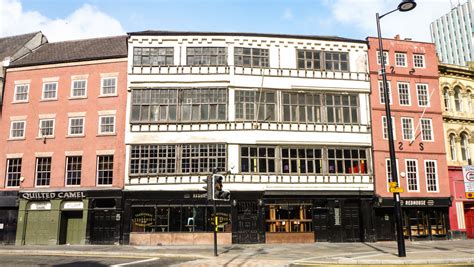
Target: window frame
43	98
418	95
76	173
102	80
385	128
404	59
256	159
381	91
417	172
385	55
422	61
46	172
423	130
247	105
436	176
27	93
108	170
72	96
100	132
40	128
299	158
452	147
264	60
15	174
403	128
151	54
23	130
388	177
210	54
407	94
69	132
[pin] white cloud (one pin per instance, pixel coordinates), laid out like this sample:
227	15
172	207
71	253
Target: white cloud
413	24
85	22
288	15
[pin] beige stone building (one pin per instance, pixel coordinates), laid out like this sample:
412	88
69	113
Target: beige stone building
457	89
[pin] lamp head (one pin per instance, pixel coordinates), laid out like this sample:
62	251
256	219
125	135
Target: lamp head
406	5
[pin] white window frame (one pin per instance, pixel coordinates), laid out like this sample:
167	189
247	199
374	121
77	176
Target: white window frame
100	125
399	95
436	175
385	128
453	150
404	59
431	129
387	178
403	128
385	54
417	175
428	102
11	130
102	86
83	126
381	95
97	170
40	134
56	91
72	96
423	60
15	100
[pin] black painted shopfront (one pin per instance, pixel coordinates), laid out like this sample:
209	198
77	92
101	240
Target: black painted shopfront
8	217
253	217
423	218
104	224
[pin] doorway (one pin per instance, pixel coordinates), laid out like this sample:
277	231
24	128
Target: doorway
71	229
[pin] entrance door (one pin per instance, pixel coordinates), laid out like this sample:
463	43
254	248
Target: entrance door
351	222
384	225
103	227
469	218
320	222
248	223
41	228
71	231
8	219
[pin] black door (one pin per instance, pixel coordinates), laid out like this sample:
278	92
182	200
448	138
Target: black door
384	225
103	227
248	223
8	222
320	222
351	222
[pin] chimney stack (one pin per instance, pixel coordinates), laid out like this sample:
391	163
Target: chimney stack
397	37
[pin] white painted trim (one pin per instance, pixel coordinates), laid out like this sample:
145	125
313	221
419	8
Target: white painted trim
14	155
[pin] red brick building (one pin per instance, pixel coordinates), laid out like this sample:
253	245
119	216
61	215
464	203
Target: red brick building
62	141
412	74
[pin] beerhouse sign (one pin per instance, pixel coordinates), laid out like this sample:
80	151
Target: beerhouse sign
53	195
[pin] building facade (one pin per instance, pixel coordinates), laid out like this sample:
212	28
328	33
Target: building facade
456	90
285	118
412	74
62	141
453	35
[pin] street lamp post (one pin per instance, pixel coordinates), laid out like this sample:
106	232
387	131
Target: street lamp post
405	5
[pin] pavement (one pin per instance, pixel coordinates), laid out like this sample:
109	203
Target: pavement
419	253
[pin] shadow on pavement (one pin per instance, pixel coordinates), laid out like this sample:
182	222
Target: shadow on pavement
80	263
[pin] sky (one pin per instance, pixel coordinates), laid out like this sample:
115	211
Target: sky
63	20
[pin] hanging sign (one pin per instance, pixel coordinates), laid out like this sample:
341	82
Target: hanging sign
468	175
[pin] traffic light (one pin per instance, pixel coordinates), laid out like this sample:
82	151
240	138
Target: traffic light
209	187
219	192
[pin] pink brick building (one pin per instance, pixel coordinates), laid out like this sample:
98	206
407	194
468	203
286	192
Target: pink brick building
412	74
62	141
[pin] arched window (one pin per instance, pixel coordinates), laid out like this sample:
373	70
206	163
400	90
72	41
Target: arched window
447	105
469	102
464	146
457	99
452	146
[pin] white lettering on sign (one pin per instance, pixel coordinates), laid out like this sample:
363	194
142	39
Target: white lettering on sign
40	206
415	202
73	205
53	195
468	174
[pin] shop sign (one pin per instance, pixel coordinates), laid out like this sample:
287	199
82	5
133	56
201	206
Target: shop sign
418	202
468	174
40	206
53	195
73	205
143	219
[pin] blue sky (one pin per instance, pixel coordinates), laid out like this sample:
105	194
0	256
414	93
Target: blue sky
75	19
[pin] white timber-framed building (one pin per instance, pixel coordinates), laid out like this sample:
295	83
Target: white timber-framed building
286	118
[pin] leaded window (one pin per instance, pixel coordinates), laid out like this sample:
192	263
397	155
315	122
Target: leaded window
255	105
309	59
206	56
431	176
43	171
152	159
105	169
258	159
154	105
251	57
336	61
153	56
412	174
13	172
302	160
347	161
302	107
341	109
204	104
203	158
73	170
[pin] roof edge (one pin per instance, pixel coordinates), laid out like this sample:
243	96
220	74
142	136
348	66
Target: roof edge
13	66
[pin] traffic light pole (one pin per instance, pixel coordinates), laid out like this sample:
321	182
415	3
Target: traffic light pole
215	229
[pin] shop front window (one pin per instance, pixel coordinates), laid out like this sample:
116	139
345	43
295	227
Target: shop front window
179	218
288	217
419	223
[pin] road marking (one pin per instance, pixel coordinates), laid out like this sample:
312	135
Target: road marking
134	262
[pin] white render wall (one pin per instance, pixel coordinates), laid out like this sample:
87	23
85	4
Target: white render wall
282	57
